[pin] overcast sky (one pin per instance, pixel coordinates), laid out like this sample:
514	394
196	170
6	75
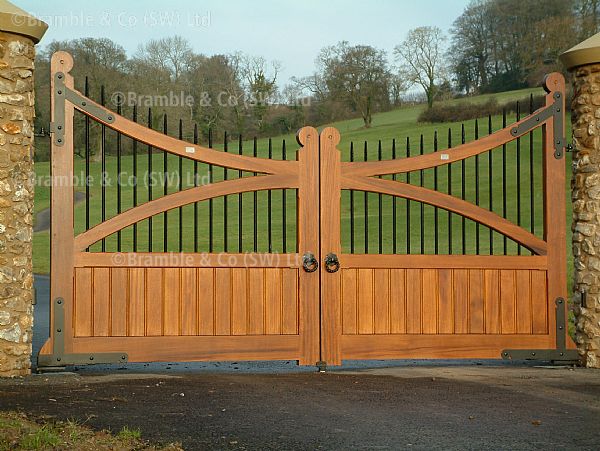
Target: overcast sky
291	32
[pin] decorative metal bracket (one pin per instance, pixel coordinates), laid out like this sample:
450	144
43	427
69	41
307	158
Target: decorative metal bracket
59	358
82	103
554	111
560	354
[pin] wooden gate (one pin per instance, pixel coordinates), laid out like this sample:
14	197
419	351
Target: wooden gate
322	302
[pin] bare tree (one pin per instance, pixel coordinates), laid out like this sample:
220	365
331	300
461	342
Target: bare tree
421	59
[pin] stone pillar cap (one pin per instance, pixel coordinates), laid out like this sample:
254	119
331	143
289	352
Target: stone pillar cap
586	52
15	20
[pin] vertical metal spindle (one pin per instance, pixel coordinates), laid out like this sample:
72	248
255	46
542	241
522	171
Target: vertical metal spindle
103	178
240	201
449	193
284	205
135	181
195	184
531	175
255	198
269	203
463	139
150	181
225	240
351	205
518	117
408	234
477	227
165	190
119	170
490	184
422	206
87	162
180	187
210	201
504	180
435	188
380	207
394	206
366	157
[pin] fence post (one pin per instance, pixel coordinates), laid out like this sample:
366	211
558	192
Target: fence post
19	32
583	61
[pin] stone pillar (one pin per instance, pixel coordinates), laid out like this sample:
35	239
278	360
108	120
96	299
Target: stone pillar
583	61
19	32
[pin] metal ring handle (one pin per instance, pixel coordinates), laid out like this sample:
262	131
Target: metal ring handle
332	264
309	262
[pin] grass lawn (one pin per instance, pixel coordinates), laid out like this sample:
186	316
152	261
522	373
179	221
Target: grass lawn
398	124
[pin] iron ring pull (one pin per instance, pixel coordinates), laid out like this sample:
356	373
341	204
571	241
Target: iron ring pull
332	264
309	262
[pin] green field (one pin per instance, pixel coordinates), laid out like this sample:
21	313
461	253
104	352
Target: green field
398	124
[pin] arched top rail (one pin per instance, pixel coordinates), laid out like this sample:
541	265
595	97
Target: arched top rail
450	203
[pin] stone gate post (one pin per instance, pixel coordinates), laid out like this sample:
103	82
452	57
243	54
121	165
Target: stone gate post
19	32
583	61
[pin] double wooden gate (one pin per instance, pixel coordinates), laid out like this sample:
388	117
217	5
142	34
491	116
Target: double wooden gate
321	303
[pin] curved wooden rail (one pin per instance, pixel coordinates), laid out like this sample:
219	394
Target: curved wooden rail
177	147
179	199
433	159
450	203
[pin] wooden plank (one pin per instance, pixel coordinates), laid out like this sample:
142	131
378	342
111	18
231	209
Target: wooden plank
413	301
430	301
290	313
539	302
461	300
493	321
83	303
172	301
189	302
523	302
507	301
101	301
397	301
137	302
365	301
349	301
381	301
272	301
446	302
256	307
239	301
206	301
476	302
444	261
222	301
154	301
119	279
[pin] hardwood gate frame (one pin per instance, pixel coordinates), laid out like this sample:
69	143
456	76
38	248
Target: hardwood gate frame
319	175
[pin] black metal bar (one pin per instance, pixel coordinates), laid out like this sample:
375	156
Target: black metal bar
435	209
408	234
180	187
225	240
195	184
150	181
255	195
119	170
422	205
518	116
103	164
366	194
380	207
284	205
240	201
531	174
449	180
269	204
490	184
394	206
351	205
477	227
504	180
135	181
210	201
463	139
165	190
87	162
